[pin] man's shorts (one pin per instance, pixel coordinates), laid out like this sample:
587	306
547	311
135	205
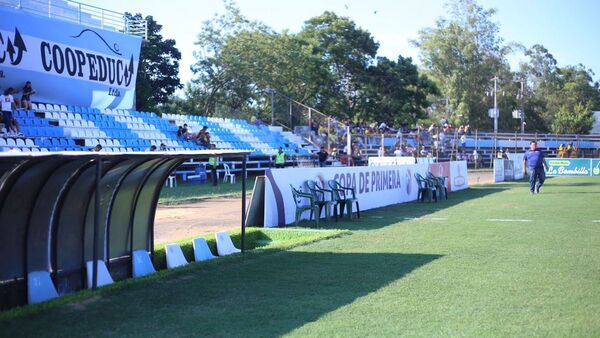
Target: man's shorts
7	117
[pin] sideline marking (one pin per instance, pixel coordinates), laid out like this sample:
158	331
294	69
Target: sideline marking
596	221
507	220
378	217
423	218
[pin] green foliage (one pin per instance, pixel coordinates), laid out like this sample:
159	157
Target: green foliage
329	65
158	69
461	54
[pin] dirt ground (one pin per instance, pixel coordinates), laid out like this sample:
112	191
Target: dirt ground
208	216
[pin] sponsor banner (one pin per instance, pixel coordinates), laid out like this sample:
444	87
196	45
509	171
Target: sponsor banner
517	162
508	170
498	170
391	160
67	63
442	169
375	186
595	167
458	175
569	167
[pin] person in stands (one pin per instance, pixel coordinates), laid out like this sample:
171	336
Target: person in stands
163	147
26	96
97	148
280	158
322	155
213	164
8	104
152	148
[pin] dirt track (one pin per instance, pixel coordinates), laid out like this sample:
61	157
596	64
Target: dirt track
212	215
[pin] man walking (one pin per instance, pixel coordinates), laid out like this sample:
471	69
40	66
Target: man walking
534	161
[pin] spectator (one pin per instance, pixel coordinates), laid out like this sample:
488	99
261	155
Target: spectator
398	152
163	147
97	148
26	97
561	151
152	148
8	104
280	158
322	156
213	163
463	141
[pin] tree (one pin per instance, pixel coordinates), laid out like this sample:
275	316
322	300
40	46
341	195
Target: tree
158	68
395	92
461	54
347	51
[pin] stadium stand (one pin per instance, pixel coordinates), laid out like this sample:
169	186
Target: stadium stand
49	127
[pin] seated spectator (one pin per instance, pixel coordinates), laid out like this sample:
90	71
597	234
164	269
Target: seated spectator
97	148
26	97
560	152
398	152
152	148
163	147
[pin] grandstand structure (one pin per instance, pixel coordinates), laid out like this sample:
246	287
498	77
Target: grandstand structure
51	127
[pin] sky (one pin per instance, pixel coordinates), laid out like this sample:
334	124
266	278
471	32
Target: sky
567	28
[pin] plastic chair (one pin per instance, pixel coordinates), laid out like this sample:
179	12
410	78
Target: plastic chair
301	207
228	175
141	263
103	278
320	199
426	188
40	287
175	257
344	196
201	250
440	185
224	244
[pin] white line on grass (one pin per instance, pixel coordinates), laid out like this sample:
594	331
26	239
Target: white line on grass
422	218
507	220
596	221
378	217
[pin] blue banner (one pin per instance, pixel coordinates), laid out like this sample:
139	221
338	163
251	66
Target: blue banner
67	63
595	167
569	167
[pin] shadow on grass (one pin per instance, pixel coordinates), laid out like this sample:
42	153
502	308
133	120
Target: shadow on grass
370	220
266	297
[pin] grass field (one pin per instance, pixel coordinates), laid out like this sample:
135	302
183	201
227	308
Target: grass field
193	192
490	261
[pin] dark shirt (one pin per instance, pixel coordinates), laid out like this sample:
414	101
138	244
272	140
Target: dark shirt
535	158
322	156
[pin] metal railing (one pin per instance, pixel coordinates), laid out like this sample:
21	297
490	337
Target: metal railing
80	13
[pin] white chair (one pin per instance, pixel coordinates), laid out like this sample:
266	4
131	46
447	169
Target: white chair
175	257
103	277
141	263
171	181
224	244
228	175
201	250
40	287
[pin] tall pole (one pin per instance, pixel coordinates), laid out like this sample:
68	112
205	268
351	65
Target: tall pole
522	106
495	105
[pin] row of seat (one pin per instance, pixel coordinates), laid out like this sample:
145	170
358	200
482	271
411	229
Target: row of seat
41	288
315	200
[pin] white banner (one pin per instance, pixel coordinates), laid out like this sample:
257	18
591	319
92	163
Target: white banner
375	187
391	160
498	170
459	179
517	165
